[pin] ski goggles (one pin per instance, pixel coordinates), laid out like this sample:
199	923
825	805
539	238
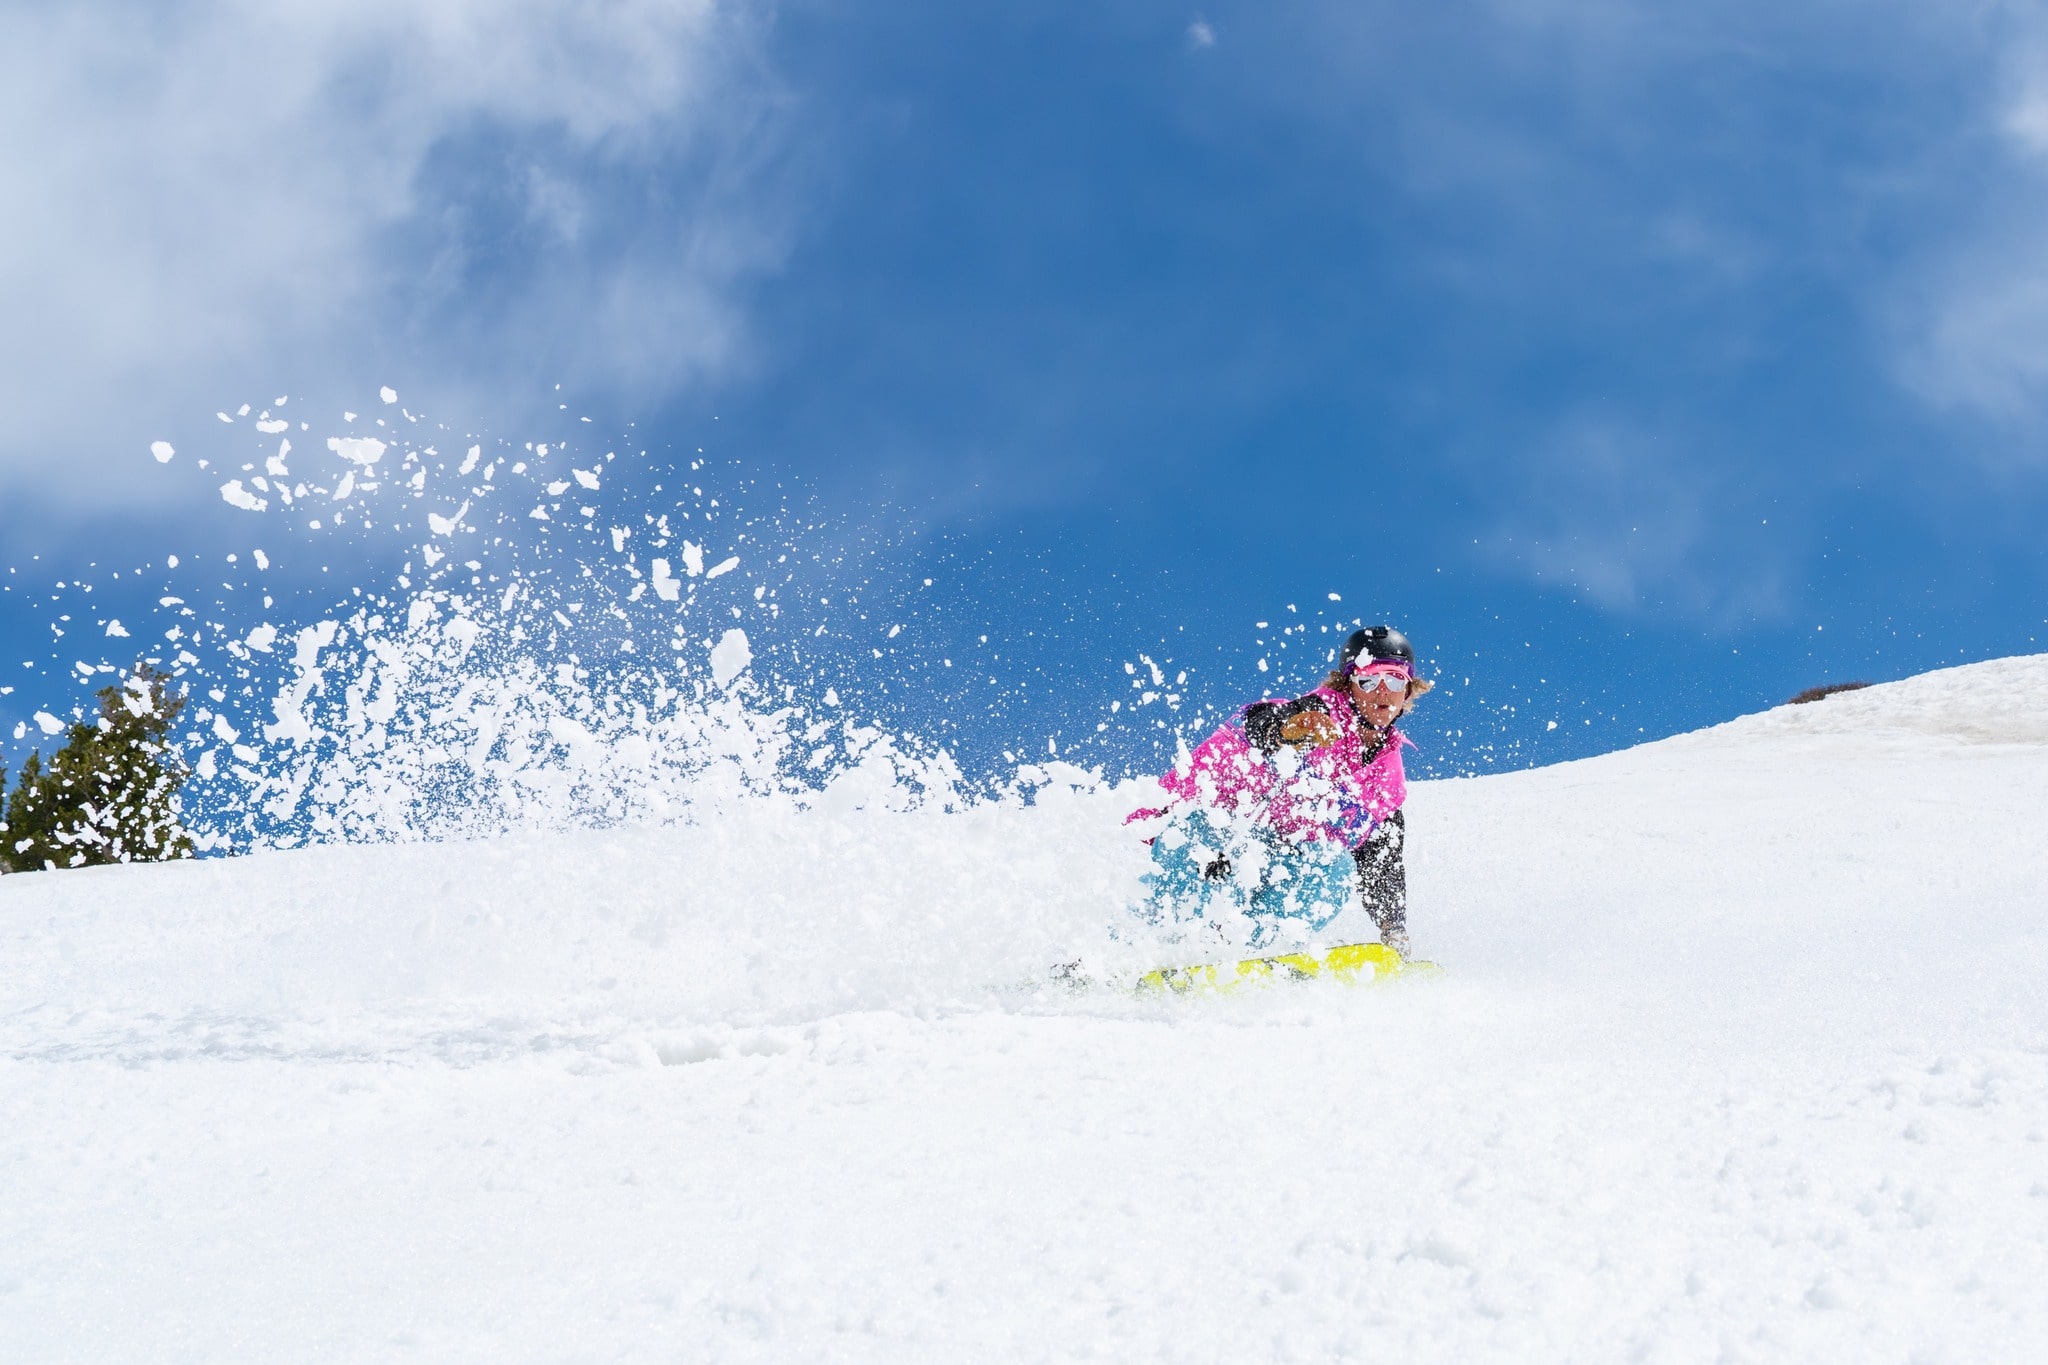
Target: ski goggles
1386	677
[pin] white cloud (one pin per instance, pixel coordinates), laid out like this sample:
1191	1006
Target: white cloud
233	191
1201	34
2027	121
1913	198
1970	322
1975	335
1611	508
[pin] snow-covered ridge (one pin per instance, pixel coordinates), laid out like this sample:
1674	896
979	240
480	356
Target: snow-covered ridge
2001	701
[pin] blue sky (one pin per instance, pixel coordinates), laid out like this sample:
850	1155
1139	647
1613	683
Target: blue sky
1646	366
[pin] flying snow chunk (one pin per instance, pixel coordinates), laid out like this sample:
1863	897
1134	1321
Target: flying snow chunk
666	585
136	699
51	725
262	560
117	630
442	526
263	637
693	558
469	461
586	477
388	394
362	450
234	495
730	657
271	426
162	450
724	566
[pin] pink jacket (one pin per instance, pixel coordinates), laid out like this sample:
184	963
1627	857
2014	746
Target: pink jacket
1333	792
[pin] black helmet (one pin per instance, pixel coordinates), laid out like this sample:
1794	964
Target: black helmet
1378	642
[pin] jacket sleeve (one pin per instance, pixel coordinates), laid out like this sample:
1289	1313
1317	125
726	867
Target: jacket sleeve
1262	721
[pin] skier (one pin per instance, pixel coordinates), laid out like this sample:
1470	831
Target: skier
1280	813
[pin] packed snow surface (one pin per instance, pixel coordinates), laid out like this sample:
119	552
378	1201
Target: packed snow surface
1741	1054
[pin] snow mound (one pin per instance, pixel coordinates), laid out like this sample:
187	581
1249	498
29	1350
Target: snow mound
1741	1055
765	913
2002	701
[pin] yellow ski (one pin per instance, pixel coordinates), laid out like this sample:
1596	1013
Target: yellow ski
1350	963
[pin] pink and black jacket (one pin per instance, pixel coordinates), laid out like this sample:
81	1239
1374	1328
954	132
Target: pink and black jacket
1339	792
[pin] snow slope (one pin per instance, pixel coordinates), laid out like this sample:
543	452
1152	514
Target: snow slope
1741	1056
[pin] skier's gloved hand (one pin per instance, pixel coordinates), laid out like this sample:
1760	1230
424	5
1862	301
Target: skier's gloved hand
1313	728
1216	871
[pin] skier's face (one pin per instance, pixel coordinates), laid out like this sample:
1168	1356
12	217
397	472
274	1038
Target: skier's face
1381	707
1380	703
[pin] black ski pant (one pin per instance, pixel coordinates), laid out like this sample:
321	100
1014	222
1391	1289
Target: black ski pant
1383	876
